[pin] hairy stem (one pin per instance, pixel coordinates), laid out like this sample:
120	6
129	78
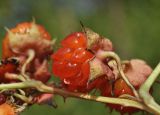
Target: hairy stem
47	89
144	90
124	102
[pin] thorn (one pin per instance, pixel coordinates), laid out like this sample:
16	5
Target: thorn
64	98
53	41
12	37
52	104
33	20
10	33
34	30
110	110
158	81
7	29
83	27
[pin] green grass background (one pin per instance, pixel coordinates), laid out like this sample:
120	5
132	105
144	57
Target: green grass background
132	25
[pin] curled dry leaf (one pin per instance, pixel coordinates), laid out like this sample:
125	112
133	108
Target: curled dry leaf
137	72
96	42
98	69
44	98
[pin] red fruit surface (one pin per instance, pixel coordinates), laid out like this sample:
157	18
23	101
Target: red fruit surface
62	54
120	88
81	55
70	63
65	69
7	67
75	40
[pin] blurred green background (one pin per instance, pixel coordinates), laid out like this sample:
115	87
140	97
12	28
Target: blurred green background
132	25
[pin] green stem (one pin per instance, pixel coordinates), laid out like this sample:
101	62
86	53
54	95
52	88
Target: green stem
144	90
47	89
104	54
27	84
120	101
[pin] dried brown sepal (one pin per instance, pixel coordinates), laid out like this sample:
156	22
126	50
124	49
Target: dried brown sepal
32	39
92	38
113	65
98	69
96	42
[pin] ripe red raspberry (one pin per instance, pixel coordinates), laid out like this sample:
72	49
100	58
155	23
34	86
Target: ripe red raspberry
119	88
75	40
71	62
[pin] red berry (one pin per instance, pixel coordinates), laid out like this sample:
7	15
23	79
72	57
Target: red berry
65	69
7	66
101	84
75	40
81	55
63	54
70	63
79	81
120	88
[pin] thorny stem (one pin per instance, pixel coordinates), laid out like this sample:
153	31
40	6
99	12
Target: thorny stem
124	102
104	54
47	89
144	90
31	55
148	103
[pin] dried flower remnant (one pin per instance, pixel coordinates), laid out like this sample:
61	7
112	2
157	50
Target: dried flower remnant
137	71
27	36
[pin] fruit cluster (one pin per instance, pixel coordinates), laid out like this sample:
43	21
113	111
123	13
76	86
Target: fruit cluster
85	61
25	53
76	64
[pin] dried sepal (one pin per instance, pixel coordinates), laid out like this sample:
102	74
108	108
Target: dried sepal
113	65
96	42
98	69
28	36
92	38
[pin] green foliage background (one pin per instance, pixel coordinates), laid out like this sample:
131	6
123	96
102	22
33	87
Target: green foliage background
132	25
